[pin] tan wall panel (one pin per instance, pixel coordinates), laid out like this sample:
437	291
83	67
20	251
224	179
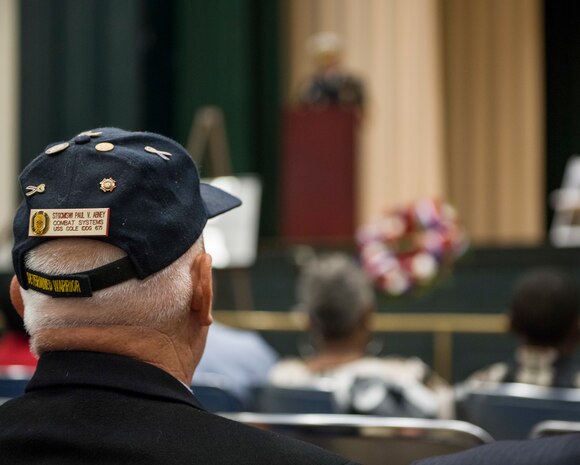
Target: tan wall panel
494	110
9	91
328	15
532	137
457	165
355	16
419	90
297	22
377	161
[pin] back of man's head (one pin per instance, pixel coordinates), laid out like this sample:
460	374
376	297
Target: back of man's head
544	307
108	231
158	301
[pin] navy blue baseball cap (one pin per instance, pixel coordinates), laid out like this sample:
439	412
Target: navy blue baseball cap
138	191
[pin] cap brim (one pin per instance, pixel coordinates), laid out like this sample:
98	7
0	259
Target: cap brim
216	200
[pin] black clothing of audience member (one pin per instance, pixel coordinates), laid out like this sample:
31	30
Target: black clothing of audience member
120	320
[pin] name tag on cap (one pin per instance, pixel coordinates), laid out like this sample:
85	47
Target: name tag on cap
69	222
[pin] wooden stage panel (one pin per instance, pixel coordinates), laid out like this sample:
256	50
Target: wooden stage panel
318	174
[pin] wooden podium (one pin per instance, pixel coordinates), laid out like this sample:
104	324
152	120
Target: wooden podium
318	174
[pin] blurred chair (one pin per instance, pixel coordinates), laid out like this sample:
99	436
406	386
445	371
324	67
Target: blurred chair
373	440
13	381
554	427
216	398
10	387
275	399
509	411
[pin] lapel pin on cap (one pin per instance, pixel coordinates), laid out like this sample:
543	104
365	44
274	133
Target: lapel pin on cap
160	153
104	147
91	133
35	189
56	148
108	185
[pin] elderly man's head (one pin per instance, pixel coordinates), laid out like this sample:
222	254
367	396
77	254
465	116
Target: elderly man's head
157	301
121	238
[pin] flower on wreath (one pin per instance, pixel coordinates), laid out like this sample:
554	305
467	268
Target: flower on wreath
410	247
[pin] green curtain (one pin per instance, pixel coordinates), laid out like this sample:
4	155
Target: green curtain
227	55
79	69
149	65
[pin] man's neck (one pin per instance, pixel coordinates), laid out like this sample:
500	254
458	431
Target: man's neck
148	345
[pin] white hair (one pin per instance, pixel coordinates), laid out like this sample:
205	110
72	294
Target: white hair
154	301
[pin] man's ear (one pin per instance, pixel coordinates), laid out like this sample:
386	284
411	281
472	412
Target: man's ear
16	296
201	278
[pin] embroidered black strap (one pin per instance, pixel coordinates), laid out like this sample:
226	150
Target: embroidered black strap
81	284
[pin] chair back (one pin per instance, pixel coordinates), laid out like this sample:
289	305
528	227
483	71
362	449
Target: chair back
373	440
215	398
554	428
12	387
510	411
13	381
274	399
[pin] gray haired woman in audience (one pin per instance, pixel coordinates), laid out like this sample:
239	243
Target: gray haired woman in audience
340	303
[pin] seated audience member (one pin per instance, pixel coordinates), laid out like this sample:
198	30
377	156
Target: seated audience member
241	359
340	302
120	320
544	316
14	342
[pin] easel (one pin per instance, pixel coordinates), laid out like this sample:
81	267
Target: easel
208	131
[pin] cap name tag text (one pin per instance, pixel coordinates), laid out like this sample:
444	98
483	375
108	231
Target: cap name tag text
69	222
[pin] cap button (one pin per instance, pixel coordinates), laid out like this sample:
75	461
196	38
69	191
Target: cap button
82	139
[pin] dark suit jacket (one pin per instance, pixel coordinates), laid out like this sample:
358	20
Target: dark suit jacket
557	450
96	408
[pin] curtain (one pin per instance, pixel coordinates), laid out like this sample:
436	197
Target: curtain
455	104
9	110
